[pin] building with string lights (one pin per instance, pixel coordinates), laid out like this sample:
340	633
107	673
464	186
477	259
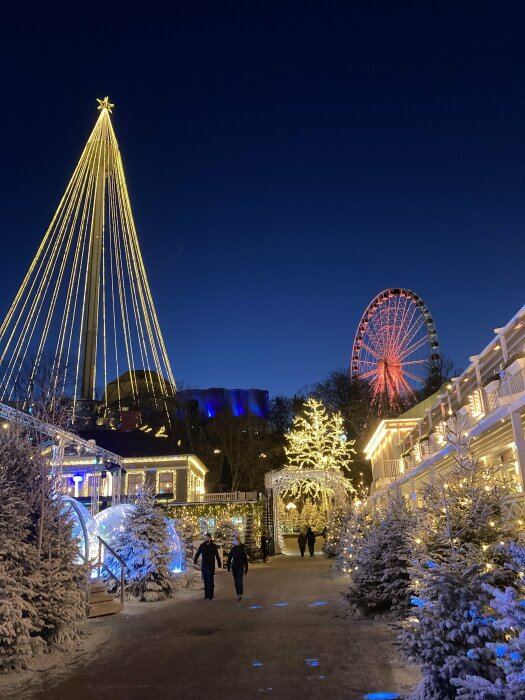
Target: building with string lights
486	403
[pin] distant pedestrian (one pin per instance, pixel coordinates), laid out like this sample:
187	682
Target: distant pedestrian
209	552
238	563
302	543
324	533
264	547
310	538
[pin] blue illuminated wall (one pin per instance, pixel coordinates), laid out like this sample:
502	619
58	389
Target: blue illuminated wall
239	402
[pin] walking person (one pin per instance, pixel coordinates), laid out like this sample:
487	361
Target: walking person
238	563
264	548
209	552
302	543
310	538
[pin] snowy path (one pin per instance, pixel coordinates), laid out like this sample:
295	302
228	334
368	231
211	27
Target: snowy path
286	639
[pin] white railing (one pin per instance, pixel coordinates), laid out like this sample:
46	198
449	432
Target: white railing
392	468
514	507
491	401
227	497
512	384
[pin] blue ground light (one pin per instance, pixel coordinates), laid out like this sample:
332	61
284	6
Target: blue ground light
312	663
381	696
257	664
255	607
317	603
280	605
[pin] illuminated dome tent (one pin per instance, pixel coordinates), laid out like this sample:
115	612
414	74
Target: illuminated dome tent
112	522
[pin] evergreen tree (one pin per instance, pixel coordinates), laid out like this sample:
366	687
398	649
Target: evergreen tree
355	535
144	547
380	579
457	551
60	594
42	603
18	562
334	530
506	679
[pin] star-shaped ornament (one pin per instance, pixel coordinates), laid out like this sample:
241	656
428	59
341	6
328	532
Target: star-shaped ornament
105	104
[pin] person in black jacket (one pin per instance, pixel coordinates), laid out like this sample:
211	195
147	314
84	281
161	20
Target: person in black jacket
238	563
301	540
310	538
209	552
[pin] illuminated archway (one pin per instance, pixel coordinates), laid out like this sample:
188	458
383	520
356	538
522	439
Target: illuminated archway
327	483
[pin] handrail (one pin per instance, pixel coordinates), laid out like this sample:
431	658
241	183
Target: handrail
101	564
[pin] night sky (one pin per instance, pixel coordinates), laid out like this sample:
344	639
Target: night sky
286	161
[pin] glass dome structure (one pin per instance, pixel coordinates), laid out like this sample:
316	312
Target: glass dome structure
111	521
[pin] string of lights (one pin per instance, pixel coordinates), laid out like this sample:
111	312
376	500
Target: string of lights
85	310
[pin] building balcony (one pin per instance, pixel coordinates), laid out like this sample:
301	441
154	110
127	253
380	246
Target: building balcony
226	497
511	386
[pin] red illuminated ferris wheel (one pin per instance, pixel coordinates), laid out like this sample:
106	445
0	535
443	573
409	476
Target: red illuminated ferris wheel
396	347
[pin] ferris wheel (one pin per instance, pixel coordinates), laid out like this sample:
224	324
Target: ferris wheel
396	347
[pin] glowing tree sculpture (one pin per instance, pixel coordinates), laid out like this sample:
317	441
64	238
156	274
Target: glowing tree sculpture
396	347
85	306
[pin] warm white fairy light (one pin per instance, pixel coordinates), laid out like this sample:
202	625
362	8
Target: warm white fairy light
88	273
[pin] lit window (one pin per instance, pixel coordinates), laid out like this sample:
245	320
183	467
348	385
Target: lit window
166	482
135	481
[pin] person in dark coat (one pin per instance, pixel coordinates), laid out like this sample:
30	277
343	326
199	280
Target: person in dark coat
264	547
310	538
238	563
209	552
302	543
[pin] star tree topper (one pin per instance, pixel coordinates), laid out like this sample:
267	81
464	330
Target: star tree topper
105	104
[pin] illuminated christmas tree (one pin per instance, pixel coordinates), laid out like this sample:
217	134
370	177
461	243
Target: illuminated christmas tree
85	308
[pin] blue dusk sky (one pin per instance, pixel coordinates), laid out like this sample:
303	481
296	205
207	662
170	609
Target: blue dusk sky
286	161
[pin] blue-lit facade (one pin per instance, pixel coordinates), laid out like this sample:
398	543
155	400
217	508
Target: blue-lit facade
238	402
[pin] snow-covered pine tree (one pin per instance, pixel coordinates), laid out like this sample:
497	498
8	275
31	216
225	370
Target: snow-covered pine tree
364	593
145	548
381	582
35	542
457	551
506	680
355	535
18	564
334	530
61	590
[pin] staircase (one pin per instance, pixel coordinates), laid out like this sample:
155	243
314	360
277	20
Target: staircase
101	602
